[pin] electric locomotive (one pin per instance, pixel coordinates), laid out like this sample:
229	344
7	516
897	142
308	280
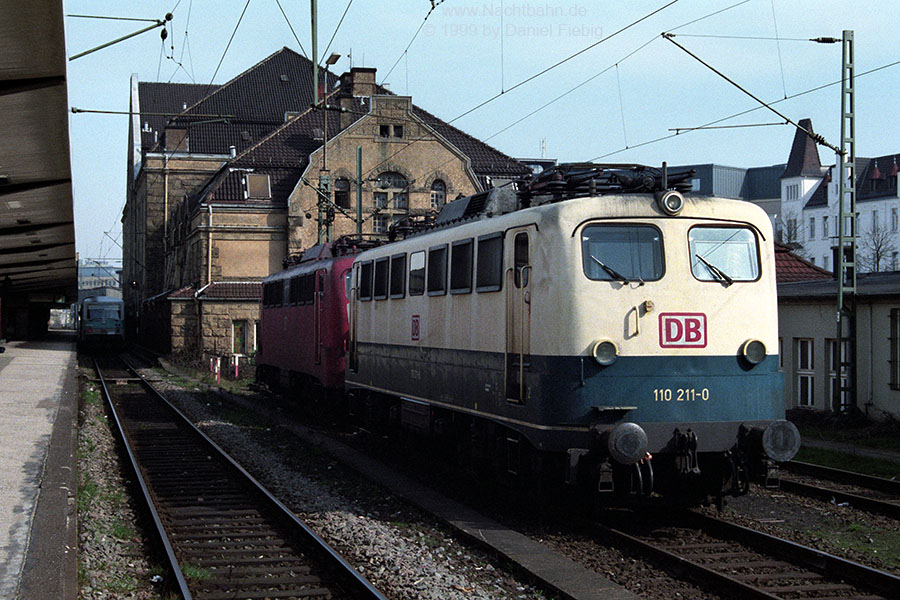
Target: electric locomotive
599	326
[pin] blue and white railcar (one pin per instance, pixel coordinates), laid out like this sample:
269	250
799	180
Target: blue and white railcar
629	339
101	321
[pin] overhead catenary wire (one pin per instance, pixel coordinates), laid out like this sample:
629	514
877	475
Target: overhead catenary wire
815	136
228	45
778	45
328	47
533	77
685	130
434	4
291	27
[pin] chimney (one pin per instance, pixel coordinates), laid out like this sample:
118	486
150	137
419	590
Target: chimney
360	81
176	139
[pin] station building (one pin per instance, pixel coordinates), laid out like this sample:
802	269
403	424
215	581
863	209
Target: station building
224	190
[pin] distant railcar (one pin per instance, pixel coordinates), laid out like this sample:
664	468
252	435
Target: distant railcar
612	338
101	321
304	322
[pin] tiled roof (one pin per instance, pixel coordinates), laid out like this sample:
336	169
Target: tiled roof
222	290
259	98
868	285
166	98
804	158
868	188
789	267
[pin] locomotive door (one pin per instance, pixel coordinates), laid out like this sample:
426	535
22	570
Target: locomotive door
351	297
319	307
518	315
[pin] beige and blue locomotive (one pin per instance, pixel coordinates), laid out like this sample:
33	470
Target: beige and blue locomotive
598	326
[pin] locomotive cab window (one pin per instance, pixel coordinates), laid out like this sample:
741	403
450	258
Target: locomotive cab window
365	281
417	273
398	275
381	278
622	253
461	267
724	254
437	270
489	267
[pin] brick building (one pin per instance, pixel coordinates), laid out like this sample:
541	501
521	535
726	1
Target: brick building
222	191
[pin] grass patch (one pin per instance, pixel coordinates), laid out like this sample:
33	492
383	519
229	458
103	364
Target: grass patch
87	492
194	572
122	531
91	395
849	462
883	545
857	430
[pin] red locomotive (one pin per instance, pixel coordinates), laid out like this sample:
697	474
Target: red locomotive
304	321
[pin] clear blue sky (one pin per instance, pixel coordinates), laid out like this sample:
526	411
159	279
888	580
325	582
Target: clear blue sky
469	51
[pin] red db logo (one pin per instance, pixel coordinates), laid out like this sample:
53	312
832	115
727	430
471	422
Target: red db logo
682	330
415	328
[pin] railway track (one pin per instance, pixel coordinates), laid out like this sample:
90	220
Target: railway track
870	494
225	536
744	563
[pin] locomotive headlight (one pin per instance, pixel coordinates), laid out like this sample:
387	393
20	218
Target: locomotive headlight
605	352
627	443
753	351
670	202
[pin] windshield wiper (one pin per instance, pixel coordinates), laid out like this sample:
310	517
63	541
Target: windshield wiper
716	271
610	271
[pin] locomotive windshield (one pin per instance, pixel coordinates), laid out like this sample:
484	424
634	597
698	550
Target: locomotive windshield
724	254
622	253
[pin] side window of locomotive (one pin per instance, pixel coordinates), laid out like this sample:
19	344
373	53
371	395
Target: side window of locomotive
724	254
295	290
398	275
307	288
365	281
417	273
622	252
520	256
461	267
437	270
489	267
381	278
348	282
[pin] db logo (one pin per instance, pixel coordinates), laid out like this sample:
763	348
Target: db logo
415	328
682	330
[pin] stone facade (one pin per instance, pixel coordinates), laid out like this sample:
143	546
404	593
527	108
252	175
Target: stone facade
430	167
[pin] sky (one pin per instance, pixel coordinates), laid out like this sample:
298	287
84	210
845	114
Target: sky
573	80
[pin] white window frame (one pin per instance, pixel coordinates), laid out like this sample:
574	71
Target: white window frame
831	344
805	350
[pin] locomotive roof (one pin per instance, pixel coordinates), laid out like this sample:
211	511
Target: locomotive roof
578	210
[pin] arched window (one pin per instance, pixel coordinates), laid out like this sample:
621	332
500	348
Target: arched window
438	194
390	191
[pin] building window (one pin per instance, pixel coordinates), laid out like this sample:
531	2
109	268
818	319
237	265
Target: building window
894	339
398	131
792	191
805	372
379	224
837	397
381	199
342	192
812	228
825	227
401	201
895	223
257	186
438	194
384	131
874	220
239	337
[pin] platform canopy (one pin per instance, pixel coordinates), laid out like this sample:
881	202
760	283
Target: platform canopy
37	232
